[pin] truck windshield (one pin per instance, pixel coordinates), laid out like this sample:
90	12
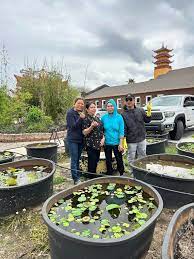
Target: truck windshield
167	101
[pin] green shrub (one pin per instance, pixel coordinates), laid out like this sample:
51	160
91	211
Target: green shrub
37	121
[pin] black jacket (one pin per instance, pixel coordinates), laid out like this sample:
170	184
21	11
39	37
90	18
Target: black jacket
74	126
134	124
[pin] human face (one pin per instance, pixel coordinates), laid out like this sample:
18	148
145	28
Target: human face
92	109
79	105
110	108
130	102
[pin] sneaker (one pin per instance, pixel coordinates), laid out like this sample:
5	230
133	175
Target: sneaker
77	182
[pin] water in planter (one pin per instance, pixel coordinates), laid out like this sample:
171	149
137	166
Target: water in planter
103	211
169	168
189	147
22	176
152	140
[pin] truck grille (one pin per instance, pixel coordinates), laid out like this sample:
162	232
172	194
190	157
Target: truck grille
157	116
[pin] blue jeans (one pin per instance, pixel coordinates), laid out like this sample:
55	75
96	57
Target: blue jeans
75	150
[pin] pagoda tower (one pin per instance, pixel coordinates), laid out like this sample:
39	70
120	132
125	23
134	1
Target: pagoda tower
162	62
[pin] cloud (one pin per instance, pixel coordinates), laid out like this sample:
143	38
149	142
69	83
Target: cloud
113	38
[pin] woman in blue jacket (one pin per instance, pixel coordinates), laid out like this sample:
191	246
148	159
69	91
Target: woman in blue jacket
114	133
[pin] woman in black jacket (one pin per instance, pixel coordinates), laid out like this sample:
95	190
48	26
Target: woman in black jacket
135	131
94	138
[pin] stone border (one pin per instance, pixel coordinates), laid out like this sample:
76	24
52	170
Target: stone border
25	137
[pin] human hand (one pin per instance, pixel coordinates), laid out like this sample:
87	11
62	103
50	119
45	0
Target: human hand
102	142
94	124
82	115
120	148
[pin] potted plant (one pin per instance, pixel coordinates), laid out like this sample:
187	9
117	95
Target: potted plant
172	175
155	145
179	237
24	184
47	150
107	217
185	148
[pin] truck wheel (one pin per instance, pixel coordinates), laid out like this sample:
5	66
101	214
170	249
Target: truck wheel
178	131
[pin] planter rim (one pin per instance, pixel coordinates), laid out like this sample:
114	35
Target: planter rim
155	143
50	145
178	146
170	229
29	184
158	175
103	242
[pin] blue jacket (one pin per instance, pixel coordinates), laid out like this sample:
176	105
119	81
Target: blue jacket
113	126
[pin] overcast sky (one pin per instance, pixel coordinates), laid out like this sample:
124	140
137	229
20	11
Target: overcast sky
109	41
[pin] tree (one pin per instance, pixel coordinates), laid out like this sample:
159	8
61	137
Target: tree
49	91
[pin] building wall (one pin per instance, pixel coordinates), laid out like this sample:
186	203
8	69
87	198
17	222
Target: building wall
144	95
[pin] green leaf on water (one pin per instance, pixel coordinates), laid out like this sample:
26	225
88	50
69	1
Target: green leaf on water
116	229
138	187
95	236
126	225
92	208
82	198
105	222
111	186
86	233
112	206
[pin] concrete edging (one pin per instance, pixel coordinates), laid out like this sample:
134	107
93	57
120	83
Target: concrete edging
25	137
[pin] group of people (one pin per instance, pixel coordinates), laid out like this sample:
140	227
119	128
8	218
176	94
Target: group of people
86	129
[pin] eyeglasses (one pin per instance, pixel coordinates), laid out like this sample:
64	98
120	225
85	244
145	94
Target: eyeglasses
129	99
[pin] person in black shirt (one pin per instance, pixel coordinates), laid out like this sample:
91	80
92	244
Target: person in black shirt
135	131
94	138
74	119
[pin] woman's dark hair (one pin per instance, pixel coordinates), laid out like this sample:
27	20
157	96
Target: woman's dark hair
78	98
88	104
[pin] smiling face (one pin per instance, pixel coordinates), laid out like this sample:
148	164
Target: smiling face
79	105
130	102
110	108
91	110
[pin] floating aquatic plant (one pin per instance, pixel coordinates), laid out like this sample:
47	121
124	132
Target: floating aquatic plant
90	213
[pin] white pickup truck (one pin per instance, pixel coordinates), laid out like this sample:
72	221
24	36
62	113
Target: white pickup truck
173	113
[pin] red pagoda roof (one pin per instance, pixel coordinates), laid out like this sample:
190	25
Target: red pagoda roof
163	49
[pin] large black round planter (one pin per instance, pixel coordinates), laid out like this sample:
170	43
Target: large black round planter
157	147
45	150
182	152
169	187
179	219
65	245
7	159
14	198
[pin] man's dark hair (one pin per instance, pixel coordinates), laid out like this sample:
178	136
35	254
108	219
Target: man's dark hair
129	97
